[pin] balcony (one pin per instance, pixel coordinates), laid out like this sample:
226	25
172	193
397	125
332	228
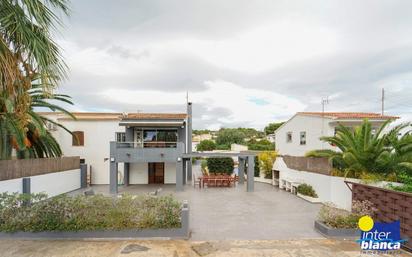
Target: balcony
147	151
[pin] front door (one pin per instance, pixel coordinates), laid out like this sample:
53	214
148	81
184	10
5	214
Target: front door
156	172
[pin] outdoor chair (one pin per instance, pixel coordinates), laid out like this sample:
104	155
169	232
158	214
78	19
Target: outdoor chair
197	181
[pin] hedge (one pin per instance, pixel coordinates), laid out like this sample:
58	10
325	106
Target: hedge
220	165
86	213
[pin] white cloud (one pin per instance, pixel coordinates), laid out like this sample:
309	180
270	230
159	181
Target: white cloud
248	106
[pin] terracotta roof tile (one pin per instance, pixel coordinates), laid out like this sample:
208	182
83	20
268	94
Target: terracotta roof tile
350	115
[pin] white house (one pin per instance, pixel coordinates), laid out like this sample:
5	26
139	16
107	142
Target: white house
301	133
153	136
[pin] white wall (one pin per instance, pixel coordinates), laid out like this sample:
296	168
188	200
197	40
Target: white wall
52	184
97	137
12	186
139	173
312	125
56	183
329	189
170	173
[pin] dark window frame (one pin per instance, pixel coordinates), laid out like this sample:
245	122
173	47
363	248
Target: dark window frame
78	138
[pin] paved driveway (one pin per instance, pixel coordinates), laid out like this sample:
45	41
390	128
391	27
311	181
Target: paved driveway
233	213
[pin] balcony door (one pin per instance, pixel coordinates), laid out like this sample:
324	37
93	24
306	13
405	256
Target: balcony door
156	172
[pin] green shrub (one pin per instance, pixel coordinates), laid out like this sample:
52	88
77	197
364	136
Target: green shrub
339	218
81	213
203	166
403	188
308	190
257	167
220	165
206	145
223	147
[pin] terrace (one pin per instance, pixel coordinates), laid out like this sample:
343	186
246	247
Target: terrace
233	213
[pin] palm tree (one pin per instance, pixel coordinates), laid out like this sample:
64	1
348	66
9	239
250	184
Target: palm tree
364	151
28	55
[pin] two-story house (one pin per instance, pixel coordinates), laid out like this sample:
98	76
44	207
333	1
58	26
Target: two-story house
128	148
302	132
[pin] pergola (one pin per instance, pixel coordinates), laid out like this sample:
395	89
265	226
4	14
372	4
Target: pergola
244	157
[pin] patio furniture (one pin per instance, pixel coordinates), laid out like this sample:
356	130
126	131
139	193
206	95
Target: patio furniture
217	181
197	181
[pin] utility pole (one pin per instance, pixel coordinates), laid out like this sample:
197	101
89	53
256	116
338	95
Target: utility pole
383	101
324	102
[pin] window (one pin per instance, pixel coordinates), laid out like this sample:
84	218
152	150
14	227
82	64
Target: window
289	137
120	137
78	138
303	138
160	138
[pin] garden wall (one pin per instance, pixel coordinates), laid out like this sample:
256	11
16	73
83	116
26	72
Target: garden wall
52	176
315	165
329	188
391	206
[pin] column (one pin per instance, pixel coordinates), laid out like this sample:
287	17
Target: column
126	173
179	174
250	173
241	169
189	139
113	177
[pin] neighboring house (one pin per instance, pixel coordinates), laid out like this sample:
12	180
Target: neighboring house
144	146
271	138
301	133
238	148
198	138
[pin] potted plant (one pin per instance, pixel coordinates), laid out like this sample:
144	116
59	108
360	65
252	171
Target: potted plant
335	222
307	192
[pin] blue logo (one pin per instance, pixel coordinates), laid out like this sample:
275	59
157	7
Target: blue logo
379	236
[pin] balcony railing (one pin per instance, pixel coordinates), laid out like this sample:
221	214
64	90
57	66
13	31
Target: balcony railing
152	144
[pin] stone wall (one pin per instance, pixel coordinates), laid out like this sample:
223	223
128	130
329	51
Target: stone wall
391	205
310	164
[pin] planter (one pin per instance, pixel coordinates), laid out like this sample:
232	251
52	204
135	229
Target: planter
336	232
263	180
309	198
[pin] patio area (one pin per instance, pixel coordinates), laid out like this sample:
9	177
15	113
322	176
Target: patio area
234	214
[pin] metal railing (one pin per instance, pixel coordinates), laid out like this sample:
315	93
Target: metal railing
151	144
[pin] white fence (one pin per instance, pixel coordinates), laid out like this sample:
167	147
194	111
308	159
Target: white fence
52	184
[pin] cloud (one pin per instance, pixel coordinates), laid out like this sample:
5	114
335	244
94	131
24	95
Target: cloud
244	63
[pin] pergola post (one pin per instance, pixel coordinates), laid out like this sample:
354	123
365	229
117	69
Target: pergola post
241	169
250	173
185	171
113	177
179	174
126	176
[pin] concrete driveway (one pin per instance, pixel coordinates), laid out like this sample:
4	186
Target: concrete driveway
234	214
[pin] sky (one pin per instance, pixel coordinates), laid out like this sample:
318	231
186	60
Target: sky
242	63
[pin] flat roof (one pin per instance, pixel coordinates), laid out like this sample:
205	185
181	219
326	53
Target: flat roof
118	116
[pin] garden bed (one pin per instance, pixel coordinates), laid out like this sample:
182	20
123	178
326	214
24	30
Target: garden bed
335	232
64	217
309	198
